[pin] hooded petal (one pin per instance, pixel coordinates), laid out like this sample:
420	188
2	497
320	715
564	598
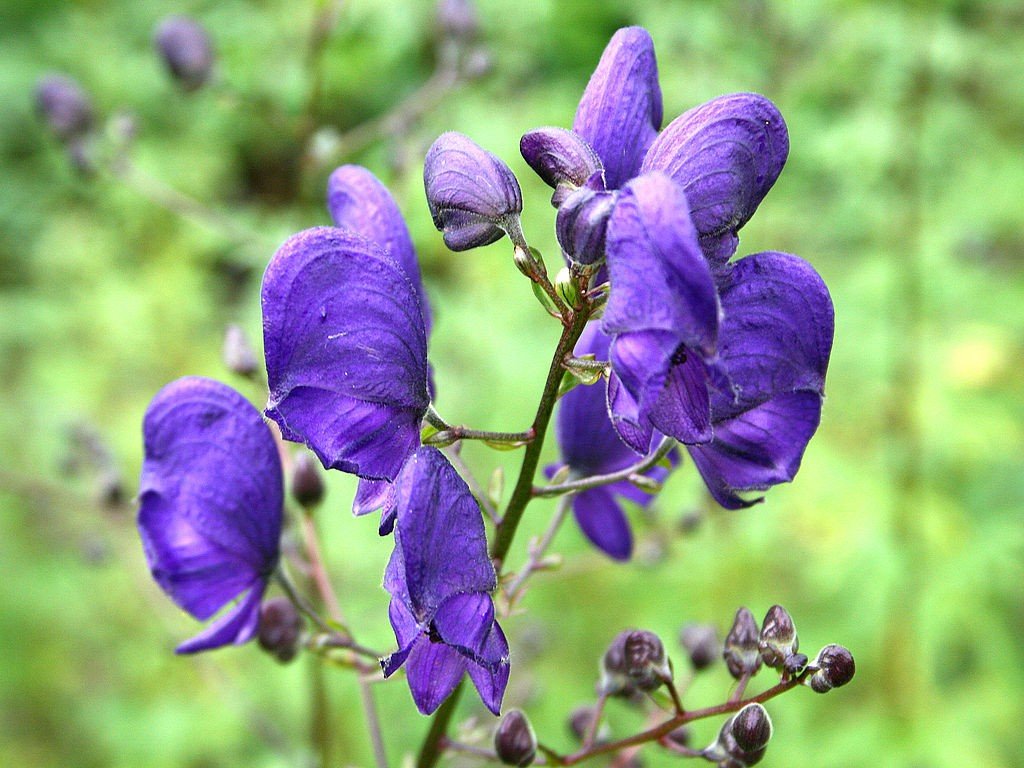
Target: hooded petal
473	196
620	111
464	622
237	626
211	494
562	158
440	533
726	154
346	351
359	202
491	679
433	670
603	522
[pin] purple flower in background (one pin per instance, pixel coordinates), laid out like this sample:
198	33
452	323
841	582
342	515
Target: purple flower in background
473	196
186	49
775	342
440	578
590	446
65	107
211	499
346	350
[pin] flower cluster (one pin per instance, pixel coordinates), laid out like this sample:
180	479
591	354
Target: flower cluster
727	358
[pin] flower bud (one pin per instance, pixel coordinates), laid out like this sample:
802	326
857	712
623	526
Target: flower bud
64	106
307	484
280	628
474	198
186	50
581	720
237	353
457	19
795	664
565	287
752	728
778	640
680	736
834	668
635	660
582	224
562	158
514	740
741	653
701	642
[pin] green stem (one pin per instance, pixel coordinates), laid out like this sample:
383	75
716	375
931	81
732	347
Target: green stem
595	481
522	494
433	744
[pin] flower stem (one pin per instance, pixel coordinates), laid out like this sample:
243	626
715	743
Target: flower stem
595	481
538	551
433	744
522	494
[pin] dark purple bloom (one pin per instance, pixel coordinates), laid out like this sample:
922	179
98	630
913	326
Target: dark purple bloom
440	579
65	107
590	446
210	497
775	342
663	313
473	196
186	49
346	351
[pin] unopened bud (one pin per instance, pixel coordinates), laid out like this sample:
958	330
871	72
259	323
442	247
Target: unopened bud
834	668
582	223
752	728
581	720
701	643
280	628
778	640
529	261
237	353
565	287
307	484
64	106
634	660
515	741
477	63
457	19
742	655
680	736
186	49
795	664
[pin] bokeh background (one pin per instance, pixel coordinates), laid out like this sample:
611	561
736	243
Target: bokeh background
901	538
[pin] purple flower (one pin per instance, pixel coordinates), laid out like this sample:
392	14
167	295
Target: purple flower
440	578
775	342
65	107
346	349
186	49
590	446
473	196
210	505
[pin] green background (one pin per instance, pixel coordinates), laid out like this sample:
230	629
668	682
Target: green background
901	537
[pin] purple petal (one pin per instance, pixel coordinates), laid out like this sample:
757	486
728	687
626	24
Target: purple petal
433	670
473	196
464	622
211	494
758	448
359	202
582	224
603	522
562	158
620	112
777	330
660	280
407	631
440	532
346	351
372	495
491	680
683	408
633	426
237	626
726	154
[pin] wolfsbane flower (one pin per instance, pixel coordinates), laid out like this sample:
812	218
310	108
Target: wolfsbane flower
210	505
440	579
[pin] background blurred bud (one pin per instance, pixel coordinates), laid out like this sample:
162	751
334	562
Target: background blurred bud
580	720
280	628
741	653
186	50
514	740
701	643
834	668
778	640
582	224
752	728
795	664
681	736
457	19
477	63
474	198
64	106
306	482
237	353
647	664
110	488
562	158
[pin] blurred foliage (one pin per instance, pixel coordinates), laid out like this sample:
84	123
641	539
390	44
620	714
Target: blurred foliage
902	537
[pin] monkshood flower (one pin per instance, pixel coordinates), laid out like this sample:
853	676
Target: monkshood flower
589	445
440	579
211	499
346	350
474	198
726	154
775	341
186	50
